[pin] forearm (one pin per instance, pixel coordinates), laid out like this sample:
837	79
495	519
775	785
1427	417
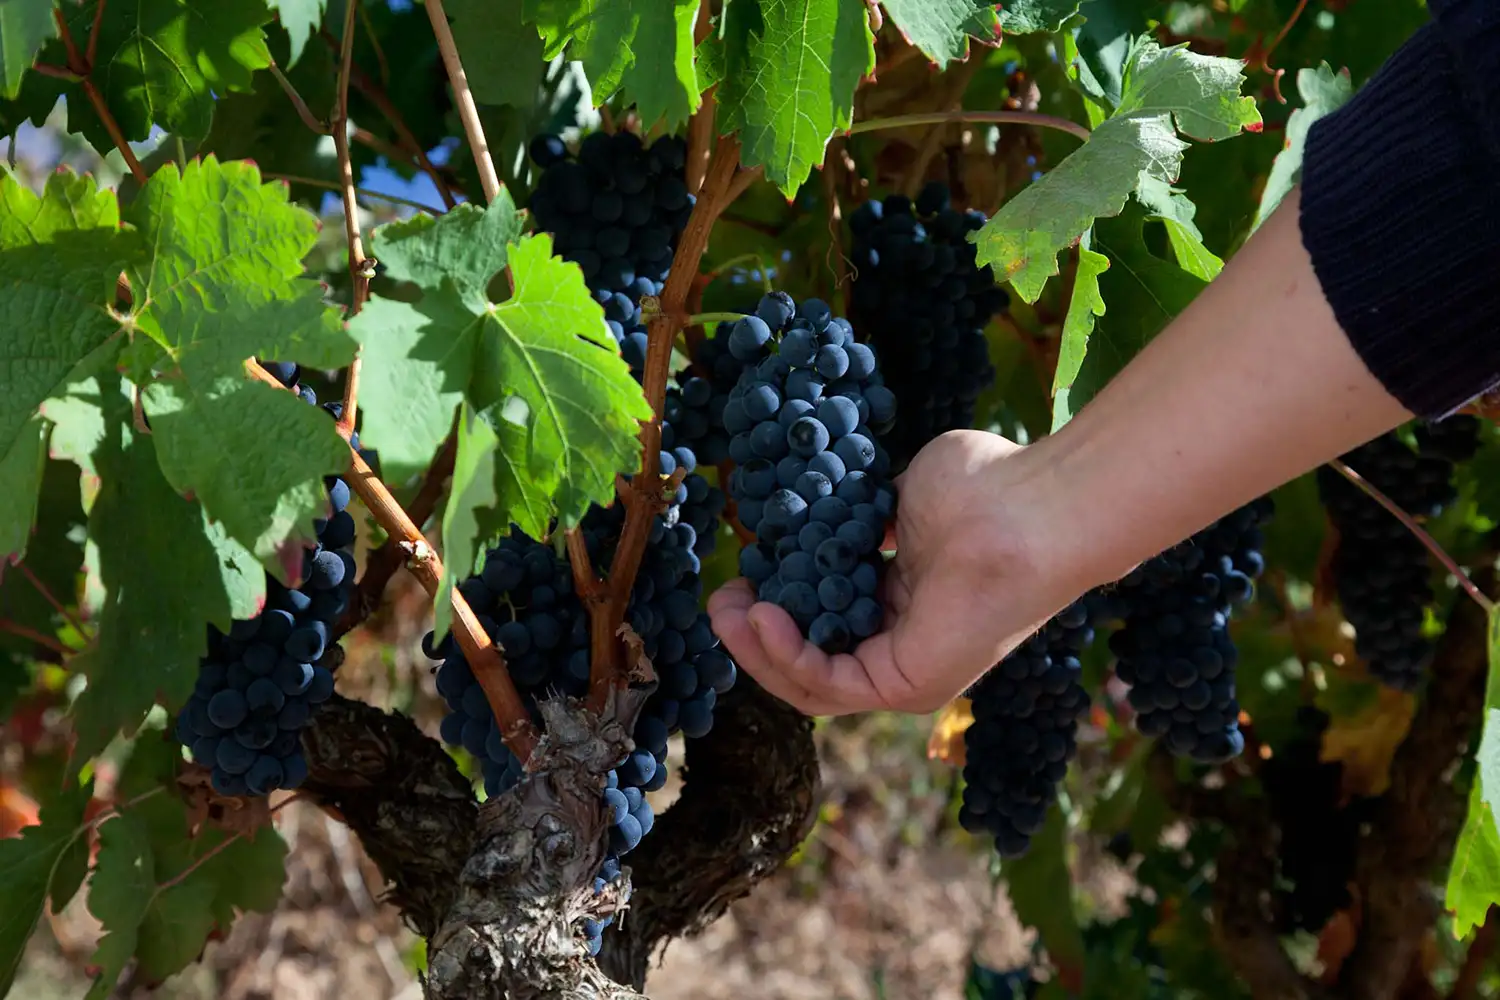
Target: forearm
1254	384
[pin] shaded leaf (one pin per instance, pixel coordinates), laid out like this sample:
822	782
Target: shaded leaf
1474	877
1322	91
29	865
502	57
300	18
1022	17
941	28
21	471
790	70
25	26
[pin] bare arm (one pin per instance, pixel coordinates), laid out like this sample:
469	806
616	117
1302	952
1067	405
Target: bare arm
1251	386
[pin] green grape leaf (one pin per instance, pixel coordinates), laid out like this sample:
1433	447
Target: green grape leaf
224	282
790	70
1323	91
21	471
1084	308
163	574
1192	256
710	61
1144	293
300	18
1023	17
412	378
642	50
160	62
548	366
1136	148
60	254
25	26
502	57
541	368
1474	876
32	864
941	28
472	493
159	893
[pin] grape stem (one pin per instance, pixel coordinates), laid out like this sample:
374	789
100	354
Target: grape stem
976	117
468	112
32	635
643	496
831	165
50	598
303	111
699	319
479	650
362	192
82	66
1410	523
358	272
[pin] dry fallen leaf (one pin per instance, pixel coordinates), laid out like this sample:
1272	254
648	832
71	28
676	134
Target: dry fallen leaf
947	740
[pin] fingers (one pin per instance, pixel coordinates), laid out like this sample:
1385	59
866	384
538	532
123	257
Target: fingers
729	608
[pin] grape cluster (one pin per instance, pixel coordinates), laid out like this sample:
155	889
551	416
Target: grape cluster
525	599
922	302
616	210
1380	570
1174	650
1024	734
810	476
1319	831
260	684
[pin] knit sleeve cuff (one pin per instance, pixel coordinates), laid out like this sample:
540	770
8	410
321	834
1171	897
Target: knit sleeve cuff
1400	213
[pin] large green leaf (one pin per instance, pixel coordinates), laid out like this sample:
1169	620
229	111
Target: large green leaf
160	892
224	282
163	572
159	62
1474	877
1041	890
1143	293
30	871
502	57
300	18
790	70
942	28
25	26
472	503
540	368
1322	91
412	377
1164	91
60	254
644	50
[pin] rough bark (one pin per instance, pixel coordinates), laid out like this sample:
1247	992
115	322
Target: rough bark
747	803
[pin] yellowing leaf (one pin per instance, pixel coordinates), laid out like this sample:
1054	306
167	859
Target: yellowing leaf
1365	742
947	740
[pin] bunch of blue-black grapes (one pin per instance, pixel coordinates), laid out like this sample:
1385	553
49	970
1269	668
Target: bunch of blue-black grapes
260	684
805	418
616	209
922	302
1380	569
1024	734
1174	649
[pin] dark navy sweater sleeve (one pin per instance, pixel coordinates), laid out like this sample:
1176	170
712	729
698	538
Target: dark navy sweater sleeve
1401	211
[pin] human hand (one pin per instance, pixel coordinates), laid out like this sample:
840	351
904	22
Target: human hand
974	575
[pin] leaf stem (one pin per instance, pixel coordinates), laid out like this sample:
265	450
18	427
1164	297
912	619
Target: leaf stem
93	46
478	648
831	166
468	111
50	598
978	117
359	272
642	501
699	319
82	66
303	111
362	192
17	629
1410	523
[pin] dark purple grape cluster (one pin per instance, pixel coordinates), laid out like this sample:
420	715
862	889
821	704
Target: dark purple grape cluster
922	301
1380	569
260	684
806	417
1024	734
1174	649
616	210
